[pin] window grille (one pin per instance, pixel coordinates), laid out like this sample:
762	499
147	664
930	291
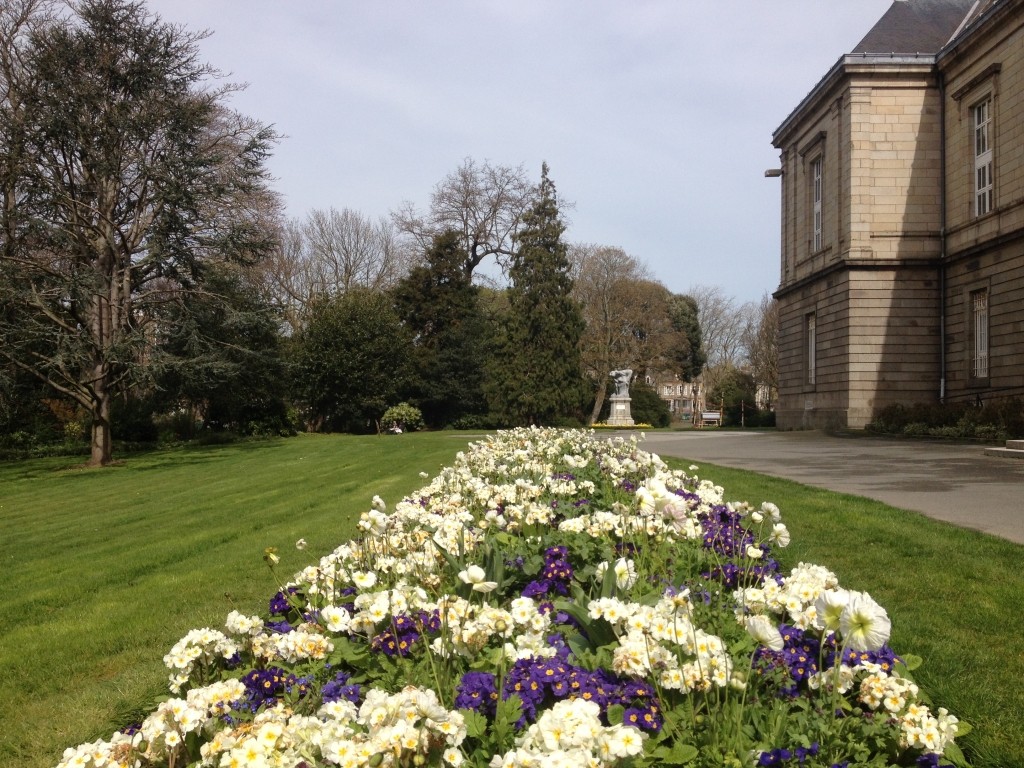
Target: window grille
812	348
979	321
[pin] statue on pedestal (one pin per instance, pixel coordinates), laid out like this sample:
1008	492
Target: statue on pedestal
620	414
622	379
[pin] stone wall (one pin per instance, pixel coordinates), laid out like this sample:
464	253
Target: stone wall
986	252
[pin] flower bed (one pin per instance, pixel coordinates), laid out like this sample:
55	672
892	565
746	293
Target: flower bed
554	599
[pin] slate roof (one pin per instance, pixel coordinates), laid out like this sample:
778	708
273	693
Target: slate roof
918	26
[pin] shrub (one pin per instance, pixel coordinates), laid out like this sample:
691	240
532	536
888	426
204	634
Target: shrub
402	418
994	421
647	406
478	421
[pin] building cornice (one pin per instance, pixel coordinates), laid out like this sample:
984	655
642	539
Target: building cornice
845	68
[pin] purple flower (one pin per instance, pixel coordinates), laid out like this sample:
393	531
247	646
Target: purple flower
263	686
477	691
339	688
279	603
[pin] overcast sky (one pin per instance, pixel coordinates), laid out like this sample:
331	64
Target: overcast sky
655	116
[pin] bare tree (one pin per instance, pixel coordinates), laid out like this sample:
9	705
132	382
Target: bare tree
761	347
722	322
328	254
346	250
482	202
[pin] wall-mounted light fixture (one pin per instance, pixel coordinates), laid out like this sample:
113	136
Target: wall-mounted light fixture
772	173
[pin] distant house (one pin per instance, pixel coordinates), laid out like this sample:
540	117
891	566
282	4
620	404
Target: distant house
679	394
902	174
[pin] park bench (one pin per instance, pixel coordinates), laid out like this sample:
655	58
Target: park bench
710	418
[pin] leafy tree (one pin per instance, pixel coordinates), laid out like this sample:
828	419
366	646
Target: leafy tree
647	407
537	378
736	390
122	172
689	357
27	416
402	418
439	306
631	321
352	361
221	355
602	277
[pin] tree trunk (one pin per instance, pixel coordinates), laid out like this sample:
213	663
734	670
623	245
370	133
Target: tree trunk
602	390
101	451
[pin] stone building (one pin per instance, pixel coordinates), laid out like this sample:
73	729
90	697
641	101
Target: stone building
902	176
677	393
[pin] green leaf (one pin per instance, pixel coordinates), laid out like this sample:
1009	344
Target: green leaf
579	646
615	714
677	754
963	728
452	562
953	754
911	662
476	724
352	654
608	587
507	715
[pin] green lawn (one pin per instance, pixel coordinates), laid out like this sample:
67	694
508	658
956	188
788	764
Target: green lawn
106	569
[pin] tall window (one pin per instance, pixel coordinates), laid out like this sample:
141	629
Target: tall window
816	190
811	333
983	182
979	334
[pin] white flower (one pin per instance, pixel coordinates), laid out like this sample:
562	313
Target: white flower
780	535
475	575
364	579
335	619
300	544
754	553
762	629
625	573
829	607
864	624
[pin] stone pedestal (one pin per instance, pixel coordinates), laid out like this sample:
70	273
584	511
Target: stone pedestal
620	415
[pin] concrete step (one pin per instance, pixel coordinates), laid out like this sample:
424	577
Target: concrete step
1009	452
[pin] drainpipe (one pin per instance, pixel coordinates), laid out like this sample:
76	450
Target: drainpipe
942	235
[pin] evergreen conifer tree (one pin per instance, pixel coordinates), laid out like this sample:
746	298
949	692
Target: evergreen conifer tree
437	303
538	377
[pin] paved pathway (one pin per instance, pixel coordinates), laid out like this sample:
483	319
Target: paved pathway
955	483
